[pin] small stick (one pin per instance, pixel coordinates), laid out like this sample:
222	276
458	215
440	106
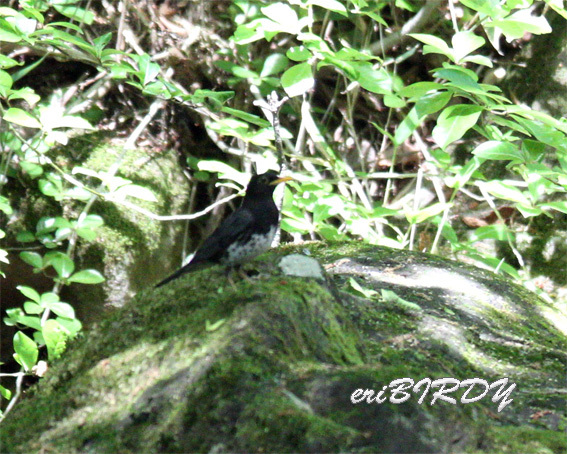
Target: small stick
272	110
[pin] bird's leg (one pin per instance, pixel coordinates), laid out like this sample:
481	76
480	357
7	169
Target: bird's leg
240	271
228	274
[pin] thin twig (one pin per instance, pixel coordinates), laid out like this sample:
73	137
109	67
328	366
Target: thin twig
16	395
123	8
272	111
416	199
179	217
453	16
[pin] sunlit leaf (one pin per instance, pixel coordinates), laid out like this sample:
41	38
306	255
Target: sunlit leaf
87	277
298	79
26	350
454	122
21	117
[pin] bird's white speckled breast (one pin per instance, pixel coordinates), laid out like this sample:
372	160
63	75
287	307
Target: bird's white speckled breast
258	244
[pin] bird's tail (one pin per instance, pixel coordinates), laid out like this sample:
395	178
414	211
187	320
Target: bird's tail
175	275
191	266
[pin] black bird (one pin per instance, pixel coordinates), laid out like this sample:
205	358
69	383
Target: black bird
246	233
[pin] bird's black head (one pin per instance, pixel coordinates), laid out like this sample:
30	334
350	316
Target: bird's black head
264	184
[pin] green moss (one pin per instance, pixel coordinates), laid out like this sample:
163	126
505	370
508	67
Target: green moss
527	440
278	421
277	373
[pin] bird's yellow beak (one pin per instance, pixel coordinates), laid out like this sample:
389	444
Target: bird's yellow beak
280	180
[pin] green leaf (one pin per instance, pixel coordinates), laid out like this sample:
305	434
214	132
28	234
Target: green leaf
463	175
274	64
224	170
148	69
63	309
72	121
407	126
331	5
7	62
157	88
50	187
519	23
529	210
32	308
17	316
464	43
29	292
330	233
298	79
432	102
87	234
135	191
101	41
5	83
375	16
479	60
454	122
55	337
557	6
374	80
76	13
499	151
21	117
48	298
296	225
32	258
46	225
32	169
64	24
505	191
62	263
416	217
558	206
26	351
461	78
5	393
217	98
248	33
5	206
366	292
493	232
491	8
393	101
87	277
434	44
8	33
283	15
547	133
345	66
91	221
214	326
392	297
298	53
419	89
250	118
72	326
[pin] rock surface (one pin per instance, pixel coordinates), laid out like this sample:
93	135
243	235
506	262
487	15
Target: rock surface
272	365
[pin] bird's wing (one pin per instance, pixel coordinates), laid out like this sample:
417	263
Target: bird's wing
230	230
212	249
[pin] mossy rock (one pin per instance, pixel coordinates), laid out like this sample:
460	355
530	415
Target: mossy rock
271	365
130	247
